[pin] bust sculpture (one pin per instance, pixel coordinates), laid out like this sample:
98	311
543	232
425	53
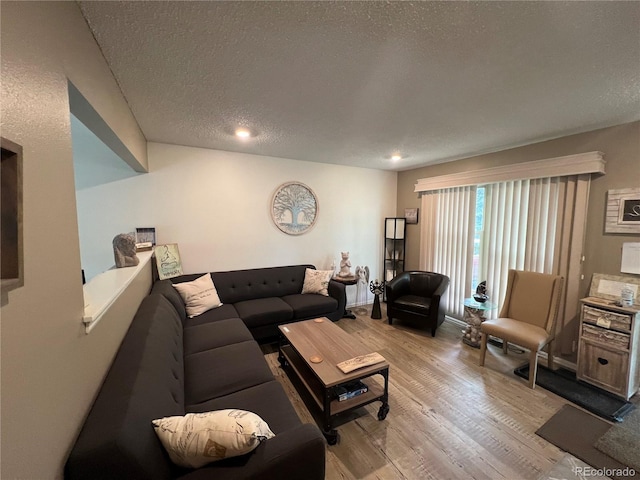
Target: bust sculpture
124	250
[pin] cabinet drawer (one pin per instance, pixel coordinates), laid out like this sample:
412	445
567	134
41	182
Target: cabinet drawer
606	319
604	335
604	367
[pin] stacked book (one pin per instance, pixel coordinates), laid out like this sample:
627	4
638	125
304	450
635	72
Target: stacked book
350	390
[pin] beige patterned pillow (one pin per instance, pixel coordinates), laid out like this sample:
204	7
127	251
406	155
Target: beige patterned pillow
196	439
199	296
317	281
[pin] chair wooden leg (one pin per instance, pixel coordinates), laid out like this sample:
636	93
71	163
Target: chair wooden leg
505	347
533	368
550	355
483	348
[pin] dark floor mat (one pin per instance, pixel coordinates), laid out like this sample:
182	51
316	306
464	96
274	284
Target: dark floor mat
576	431
564	383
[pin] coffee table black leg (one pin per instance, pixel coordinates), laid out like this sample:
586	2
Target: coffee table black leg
384	408
328	431
281	359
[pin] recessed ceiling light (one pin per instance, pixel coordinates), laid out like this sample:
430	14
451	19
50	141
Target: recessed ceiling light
396	156
243	133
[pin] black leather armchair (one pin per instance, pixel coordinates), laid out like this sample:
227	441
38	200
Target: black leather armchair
415	296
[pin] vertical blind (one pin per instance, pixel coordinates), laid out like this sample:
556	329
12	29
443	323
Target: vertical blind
477	232
447	240
535	225
520	220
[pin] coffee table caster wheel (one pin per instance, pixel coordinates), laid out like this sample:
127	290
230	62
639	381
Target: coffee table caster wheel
382	413
283	362
331	437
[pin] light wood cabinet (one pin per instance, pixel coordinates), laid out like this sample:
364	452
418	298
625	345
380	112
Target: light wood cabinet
608	346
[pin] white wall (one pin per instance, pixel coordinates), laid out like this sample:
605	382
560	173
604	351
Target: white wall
50	368
94	163
215	206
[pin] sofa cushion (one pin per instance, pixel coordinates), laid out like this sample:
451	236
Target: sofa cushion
196	439
297	451
277	411
223	312
264	311
310	305
199	295
215	334
224	370
239	285
316	281
414	303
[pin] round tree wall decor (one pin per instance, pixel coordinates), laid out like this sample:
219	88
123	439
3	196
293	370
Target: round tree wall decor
294	208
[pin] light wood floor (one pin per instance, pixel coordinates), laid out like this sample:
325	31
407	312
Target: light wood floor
449	418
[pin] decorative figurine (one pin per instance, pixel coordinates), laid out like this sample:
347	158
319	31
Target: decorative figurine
481	293
376	288
345	266
124	250
362	273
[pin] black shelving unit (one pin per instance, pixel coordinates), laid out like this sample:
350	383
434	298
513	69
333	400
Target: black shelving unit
394	247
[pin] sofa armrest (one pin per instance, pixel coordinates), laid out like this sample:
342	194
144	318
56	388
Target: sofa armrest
397	287
298	453
437	308
337	290
295	454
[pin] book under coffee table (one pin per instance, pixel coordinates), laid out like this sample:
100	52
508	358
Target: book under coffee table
311	351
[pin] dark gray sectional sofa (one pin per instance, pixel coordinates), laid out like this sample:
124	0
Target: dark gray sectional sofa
169	364
262	297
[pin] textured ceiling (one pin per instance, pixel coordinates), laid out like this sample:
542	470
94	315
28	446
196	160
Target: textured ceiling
353	82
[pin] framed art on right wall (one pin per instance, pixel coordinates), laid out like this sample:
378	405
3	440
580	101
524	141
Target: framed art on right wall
623	211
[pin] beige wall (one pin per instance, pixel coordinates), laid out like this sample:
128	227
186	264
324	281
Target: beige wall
50	368
621	148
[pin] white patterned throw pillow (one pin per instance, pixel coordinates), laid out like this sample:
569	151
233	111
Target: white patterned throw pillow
199	296
317	281
195	439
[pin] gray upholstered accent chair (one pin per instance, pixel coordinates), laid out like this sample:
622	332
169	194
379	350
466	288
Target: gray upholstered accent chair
416	297
528	316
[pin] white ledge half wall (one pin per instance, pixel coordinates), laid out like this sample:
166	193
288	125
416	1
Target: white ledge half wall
591	162
105	288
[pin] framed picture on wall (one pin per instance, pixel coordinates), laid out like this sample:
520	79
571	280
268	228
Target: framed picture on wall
294	208
623	211
411	214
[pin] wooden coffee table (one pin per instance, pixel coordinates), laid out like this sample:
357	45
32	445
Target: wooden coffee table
304	343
